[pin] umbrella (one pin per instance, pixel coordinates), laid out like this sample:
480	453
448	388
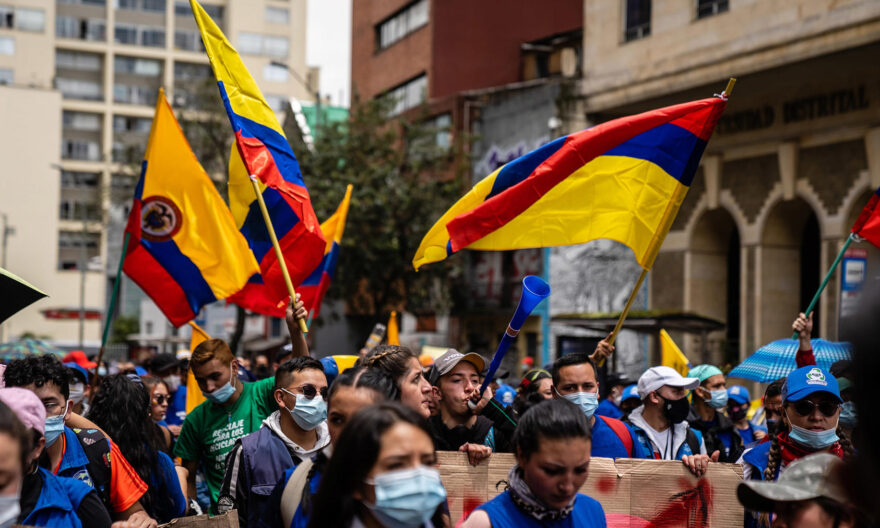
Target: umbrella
27	347
15	293
777	359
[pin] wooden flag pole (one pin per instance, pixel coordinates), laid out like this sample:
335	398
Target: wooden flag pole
110	309
849	240
278	253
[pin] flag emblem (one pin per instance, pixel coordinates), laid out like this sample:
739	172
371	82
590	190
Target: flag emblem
160	219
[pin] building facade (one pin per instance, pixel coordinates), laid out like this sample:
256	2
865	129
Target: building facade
792	162
107	60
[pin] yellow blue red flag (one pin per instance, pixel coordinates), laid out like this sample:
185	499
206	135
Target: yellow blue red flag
184	250
194	395
622	180
672	356
314	287
261	150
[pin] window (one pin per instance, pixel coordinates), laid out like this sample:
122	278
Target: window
73	60
638	19
127	153
7	46
70	248
275	73
157	6
142	95
250	43
144	67
188	40
182	9
7	16
138	125
6	76
80	149
276	102
275	47
190	71
81	121
79	28
443	135
402	23
126	4
409	95
125	34
79	180
77	89
707	8
80	195
153	37
86	2
277	15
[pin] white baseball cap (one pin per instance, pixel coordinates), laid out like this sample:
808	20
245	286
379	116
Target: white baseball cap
656	377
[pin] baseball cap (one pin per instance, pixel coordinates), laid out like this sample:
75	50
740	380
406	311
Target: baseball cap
631	391
739	394
807	478
807	380
78	370
79	357
26	406
331	368
656	377
444	364
704	372
616	378
163	362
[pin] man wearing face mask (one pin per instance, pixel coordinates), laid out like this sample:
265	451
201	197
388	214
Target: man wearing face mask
660	425
79	388
288	436
574	379
707	414
737	409
167	368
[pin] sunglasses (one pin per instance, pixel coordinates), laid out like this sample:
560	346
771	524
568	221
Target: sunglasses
310	391
160	399
806	407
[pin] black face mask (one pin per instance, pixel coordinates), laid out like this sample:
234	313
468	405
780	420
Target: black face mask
772	426
675	410
737	415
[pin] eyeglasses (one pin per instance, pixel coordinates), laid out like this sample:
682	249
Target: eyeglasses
160	399
806	407
309	391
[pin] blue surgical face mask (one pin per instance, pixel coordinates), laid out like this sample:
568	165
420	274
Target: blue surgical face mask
222	395
102	370
54	427
586	401
813	439
718	400
407	497
307	413
848	417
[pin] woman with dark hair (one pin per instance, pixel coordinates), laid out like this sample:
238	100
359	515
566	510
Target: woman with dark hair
140	442
160	398
382	473
404	368
535	387
552	444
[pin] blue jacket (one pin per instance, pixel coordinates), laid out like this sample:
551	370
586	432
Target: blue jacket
757	457
607	408
177	408
169	501
503	513
59	499
686	441
606	443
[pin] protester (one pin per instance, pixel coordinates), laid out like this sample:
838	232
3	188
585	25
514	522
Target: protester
478	430
262	370
293	433
84	454
659	423
32	495
140	442
574	379
808	495
159	400
707	414
629	400
738	402
610	405
382	473
552	446
770	412
803	325
843	371
535	387
80	389
167	368
404	368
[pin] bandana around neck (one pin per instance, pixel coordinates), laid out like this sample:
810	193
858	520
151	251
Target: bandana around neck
791	450
526	501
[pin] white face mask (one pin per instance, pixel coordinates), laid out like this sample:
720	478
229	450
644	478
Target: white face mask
77	392
9	510
173	382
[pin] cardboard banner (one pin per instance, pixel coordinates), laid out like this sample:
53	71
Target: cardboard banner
634	493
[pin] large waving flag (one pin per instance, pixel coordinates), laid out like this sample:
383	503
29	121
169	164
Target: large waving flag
262	150
867	225
184	250
312	289
672	356
623	180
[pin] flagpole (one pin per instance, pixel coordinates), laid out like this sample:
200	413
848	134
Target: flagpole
278	253
849	240
110	309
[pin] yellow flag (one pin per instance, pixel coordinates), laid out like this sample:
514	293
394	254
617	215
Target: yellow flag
193	393
393	334
672	356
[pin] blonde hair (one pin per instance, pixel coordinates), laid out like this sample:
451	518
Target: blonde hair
212	349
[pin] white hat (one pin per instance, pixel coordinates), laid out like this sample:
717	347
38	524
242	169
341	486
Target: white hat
656	377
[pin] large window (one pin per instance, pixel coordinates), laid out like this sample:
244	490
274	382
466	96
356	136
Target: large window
137	125
81	121
409	95
256	44
80	196
638	19
70	249
78	89
188	40
155	6
277	47
139	35
80	149
22	18
182	9
7	16
7	46
135	94
402	23
277	15
74	60
707	8
80	28
275	73
191	71
144	67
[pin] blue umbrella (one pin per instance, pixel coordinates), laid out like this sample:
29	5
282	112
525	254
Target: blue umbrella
777	359
27	347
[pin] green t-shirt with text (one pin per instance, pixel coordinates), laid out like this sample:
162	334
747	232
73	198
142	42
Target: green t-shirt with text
210	430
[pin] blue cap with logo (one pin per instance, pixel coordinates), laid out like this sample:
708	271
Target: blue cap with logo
808	380
331	369
632	391
739	394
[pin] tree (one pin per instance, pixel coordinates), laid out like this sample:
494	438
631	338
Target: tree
403	182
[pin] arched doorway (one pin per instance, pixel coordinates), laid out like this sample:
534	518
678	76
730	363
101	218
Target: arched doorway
714	285
789	268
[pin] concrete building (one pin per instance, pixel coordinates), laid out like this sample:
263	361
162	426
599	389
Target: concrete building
792	162
105	62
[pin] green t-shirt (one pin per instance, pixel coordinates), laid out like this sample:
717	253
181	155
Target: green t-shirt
210	431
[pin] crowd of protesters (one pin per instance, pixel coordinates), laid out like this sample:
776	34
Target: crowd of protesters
301	444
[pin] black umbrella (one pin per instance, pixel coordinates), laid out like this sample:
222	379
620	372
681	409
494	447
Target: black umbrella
15	294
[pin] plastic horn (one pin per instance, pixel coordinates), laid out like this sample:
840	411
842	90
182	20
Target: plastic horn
535	290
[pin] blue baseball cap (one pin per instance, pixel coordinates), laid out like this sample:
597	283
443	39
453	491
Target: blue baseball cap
807	380
331	369
83	373
505	394
631	391
739	394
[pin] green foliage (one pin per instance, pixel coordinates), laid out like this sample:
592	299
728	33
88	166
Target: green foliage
123	327
403	182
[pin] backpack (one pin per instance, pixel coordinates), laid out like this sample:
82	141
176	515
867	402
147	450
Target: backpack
293	491
621	431
97	449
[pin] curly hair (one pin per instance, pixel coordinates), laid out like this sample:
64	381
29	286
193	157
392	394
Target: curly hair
131	429
38	370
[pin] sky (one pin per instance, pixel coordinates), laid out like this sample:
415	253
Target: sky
328	45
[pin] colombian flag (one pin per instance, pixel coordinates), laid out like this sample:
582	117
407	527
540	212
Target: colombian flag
262	150
867	225
184	251
623	180
312	289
